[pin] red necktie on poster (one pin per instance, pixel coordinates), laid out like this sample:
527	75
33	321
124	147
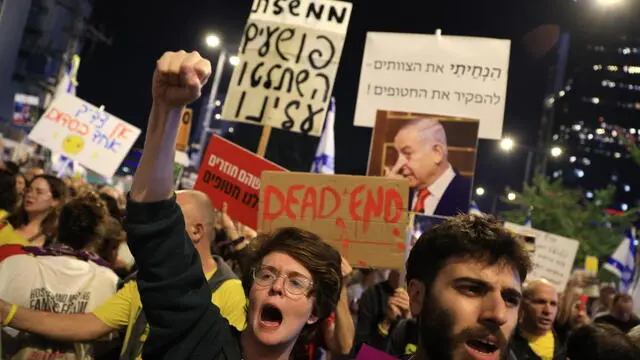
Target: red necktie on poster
369	353
418	207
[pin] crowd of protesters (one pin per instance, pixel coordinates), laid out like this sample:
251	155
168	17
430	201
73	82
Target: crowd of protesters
87	272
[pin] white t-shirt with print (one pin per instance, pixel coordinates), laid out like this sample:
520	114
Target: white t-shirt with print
60	284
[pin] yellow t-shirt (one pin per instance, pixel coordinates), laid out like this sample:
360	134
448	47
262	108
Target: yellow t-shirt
122	309
543	345
8	235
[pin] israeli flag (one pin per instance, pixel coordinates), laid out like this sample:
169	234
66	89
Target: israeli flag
324	161
474	209
622	263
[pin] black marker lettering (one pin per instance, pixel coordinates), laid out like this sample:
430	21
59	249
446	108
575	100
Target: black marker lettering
250	34
317	53
284	36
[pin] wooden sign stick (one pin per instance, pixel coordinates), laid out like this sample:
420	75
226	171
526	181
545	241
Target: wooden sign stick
264	141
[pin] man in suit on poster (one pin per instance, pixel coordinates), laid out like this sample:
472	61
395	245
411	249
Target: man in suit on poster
422	159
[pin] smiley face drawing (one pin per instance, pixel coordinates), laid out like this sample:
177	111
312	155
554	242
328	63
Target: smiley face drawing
73	144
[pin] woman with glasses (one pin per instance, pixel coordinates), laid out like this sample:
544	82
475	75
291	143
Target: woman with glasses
37	217
295	281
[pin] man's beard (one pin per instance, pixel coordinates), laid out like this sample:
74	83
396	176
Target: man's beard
436	333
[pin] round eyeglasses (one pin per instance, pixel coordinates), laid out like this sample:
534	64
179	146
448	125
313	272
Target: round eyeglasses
294	283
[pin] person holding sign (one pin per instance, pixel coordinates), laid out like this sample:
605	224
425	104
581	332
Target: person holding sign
423	160
293	286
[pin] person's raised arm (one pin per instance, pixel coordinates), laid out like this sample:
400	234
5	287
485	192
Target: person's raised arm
175	295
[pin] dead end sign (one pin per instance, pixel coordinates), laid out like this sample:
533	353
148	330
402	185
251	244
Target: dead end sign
364	217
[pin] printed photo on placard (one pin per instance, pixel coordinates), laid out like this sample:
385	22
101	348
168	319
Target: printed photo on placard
421	223
435	153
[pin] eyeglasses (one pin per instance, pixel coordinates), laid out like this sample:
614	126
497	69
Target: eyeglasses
294	283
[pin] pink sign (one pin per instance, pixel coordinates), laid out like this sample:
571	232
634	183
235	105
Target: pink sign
369	353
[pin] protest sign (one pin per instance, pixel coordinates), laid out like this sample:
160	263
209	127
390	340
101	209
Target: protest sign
365	218
447	153
184	130
26	110
289	57
84	133
553	256
448	75
231	174
370	353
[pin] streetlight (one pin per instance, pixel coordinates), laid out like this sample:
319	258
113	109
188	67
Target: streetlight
556	151
206	112
609	2
507	144
511	196
480	191
213	41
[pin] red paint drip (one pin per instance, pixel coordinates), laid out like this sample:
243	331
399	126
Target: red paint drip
396	232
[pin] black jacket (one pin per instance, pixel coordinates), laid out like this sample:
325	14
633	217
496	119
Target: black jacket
174	292
372	309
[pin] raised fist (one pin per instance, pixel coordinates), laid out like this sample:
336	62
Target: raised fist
179	78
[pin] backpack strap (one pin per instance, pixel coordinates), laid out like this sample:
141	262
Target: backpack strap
134	345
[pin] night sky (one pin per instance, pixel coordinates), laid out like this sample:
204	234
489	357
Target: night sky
119	76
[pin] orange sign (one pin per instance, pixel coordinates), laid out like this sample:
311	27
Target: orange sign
184	130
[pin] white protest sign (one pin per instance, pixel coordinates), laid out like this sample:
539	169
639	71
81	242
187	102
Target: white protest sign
84	133
289	57
553	257
445	75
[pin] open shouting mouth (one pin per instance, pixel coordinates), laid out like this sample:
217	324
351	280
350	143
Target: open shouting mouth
483	348
270	317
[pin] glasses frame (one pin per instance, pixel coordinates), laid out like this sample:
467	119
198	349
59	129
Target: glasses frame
308	288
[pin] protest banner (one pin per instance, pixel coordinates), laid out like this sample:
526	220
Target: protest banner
231	174
365	218
446	148
184	130
553	256
370	353
85	133
289	57
448	75
26	110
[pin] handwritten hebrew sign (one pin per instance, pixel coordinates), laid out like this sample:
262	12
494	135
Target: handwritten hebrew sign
448	75
365	218
553	257
231	174
289	57
84	133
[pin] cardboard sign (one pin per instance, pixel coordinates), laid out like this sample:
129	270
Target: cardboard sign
553	256
289	57
370	353
231	174
447	75
84	133
365	218
182	143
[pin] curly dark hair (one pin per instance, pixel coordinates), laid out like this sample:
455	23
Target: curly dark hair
466	236
82	220
8	192
49	224
318	257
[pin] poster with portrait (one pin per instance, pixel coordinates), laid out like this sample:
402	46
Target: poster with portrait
422	223
435	153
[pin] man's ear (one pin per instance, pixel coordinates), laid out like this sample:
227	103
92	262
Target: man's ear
439	152
197	233
417	294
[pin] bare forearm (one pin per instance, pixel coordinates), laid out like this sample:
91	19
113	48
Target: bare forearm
344	331
61	327
154	178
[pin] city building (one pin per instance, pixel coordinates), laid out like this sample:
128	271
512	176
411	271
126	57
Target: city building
596	114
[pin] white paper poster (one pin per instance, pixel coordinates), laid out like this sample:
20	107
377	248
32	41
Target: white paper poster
553	257
84	133
289	57
447	75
